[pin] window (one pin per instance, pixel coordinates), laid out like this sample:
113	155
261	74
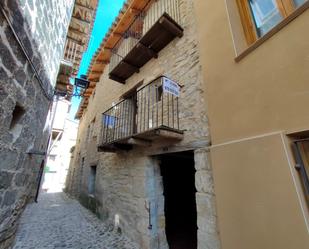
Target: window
301	150
88	133
17	114
92	177
260	16
299	2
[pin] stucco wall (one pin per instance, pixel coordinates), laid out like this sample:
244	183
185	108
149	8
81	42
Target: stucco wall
258	205
252	104
264	92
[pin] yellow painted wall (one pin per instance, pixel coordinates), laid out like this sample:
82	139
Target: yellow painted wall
250	104
267	90
257	200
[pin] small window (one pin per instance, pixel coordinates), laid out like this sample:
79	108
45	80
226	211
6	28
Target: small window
301	150
17	114
92	178
88	133
260	16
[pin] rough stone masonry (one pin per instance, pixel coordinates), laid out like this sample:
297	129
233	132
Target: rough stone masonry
32	37
125	181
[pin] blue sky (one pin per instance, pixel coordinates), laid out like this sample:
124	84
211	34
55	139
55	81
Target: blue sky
106	14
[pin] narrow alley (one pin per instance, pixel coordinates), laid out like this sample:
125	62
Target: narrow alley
154	124
58	221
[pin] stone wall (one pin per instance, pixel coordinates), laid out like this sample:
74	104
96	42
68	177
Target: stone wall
208	232
126	181
25	97
42	26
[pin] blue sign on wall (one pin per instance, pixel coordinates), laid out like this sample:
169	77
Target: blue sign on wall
109	121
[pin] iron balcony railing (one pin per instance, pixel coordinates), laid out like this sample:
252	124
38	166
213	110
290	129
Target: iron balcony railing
142	23
72	52
150	108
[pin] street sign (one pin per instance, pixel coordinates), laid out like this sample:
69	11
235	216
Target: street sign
171	87
82	83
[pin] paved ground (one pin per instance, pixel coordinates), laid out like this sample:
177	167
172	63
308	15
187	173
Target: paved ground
60	222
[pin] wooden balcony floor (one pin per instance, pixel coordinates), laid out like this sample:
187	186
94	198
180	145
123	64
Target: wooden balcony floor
157	37
142	139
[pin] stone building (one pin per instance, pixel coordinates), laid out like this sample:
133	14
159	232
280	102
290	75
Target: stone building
254	56
143	164
241	70
32	45
64	130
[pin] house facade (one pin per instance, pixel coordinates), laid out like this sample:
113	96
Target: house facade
167	76
254	56
141	158
33	65
63	128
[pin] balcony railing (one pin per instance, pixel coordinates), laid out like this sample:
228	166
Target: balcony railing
72	52
148	114
156	26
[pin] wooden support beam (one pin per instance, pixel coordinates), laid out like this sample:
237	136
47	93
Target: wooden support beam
94	79
102	62
92	84
139	142
88	91
116	78
107	149
169	134
148	50
123	146
135	11
77	31
116	34
96	71
75	40
170	26
133	68
64	75
81	20
62	83
84	6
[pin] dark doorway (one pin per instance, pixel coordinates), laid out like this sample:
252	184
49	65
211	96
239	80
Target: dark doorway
178	172
92	178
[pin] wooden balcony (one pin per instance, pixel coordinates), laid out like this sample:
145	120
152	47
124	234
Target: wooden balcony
148	115
151	31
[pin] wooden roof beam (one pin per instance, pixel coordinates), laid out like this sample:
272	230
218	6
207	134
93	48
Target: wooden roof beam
101	62
92	84
84	6
94	79
96	71
81	20
75	40
135	11
77	31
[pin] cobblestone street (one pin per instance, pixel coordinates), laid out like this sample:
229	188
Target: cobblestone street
60	222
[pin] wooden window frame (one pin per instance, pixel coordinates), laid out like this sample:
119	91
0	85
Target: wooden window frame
285	7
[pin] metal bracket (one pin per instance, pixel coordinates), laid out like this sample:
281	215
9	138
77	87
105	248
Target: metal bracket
148	208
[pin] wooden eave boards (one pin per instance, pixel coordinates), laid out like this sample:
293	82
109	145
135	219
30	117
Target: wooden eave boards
102	57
